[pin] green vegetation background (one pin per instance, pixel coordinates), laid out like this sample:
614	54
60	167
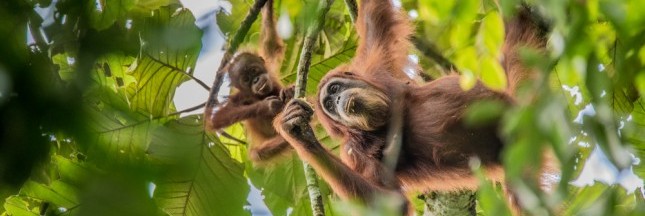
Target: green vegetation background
88	124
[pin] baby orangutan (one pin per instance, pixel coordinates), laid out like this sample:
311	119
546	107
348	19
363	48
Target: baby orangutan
260	95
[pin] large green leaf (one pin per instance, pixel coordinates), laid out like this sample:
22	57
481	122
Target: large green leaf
201	177
171	44
118	133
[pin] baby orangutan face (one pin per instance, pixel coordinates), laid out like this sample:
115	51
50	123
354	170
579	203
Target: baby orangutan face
248	73
354	103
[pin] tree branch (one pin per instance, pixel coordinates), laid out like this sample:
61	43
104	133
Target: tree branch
430	50
190	109
304	63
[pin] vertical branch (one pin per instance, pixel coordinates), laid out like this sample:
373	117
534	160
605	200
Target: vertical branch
212	101
301	85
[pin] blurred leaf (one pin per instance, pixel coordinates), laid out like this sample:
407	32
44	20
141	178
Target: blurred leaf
66	66
634	133
490	36
144	6
16	206
492	74
103	13
59	193
484	112
201	178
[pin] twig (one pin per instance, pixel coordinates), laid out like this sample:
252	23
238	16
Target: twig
304	63
430	50
187	110
231	137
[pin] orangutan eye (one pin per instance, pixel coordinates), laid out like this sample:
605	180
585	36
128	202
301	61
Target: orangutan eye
333	88
329	105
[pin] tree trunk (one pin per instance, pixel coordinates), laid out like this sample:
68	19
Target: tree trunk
450	203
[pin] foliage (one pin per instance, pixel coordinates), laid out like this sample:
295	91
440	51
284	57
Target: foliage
89	125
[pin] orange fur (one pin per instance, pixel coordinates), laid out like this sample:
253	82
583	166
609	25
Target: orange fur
257	111
436	143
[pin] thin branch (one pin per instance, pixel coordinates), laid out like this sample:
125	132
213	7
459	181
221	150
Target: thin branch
311	37
187	110
231	137
430	50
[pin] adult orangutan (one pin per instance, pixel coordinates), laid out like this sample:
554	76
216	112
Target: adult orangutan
357	101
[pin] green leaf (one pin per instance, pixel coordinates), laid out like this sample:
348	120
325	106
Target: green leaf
283	186
118	132
490	36
72	172
103	13
492	73
58	193
144	6
16	206
634	133
66	66
165	61
483	112
201	176
111	71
